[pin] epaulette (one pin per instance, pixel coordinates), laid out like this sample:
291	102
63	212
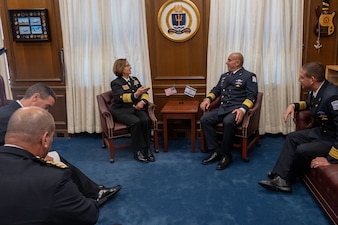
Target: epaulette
49	163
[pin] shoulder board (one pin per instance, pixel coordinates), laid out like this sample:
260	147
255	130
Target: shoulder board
49	163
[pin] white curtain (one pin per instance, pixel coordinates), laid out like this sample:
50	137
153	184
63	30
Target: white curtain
95	34
269	35
3	65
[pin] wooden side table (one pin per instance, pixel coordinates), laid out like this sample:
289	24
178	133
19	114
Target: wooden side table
180	110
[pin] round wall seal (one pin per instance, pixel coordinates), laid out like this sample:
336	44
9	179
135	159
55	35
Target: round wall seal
178	20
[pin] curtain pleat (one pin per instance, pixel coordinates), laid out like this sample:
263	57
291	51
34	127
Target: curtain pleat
4	66
95	34
269	35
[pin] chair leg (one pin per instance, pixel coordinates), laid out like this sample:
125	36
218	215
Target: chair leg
156	148
111	150
103	142
257	138
245	149
202	146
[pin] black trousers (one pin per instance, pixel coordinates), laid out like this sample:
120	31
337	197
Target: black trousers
139	125
208	122
86	186
299	148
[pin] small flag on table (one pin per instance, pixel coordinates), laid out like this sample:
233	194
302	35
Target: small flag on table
190	91
170	91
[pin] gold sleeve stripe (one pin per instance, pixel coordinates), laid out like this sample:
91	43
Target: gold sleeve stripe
145	96
127	98
334	153
248	103
212	96
302	105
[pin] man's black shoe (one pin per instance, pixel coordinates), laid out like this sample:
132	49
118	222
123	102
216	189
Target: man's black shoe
211	159
224	163
140	157
106	194
276	184
149	155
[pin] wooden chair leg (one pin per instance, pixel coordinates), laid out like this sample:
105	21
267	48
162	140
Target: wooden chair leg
103	142
245	149
202	146
156	148
257	137
111	150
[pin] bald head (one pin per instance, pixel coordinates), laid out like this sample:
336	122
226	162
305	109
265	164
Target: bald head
238	56
235	61
28	127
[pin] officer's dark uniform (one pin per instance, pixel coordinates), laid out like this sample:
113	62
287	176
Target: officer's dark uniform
87	187
34	192
301	147
237	90
123	111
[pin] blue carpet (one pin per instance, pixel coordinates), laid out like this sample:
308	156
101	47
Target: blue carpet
177	189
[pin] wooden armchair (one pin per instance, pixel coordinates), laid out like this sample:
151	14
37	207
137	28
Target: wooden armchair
248	130
112	129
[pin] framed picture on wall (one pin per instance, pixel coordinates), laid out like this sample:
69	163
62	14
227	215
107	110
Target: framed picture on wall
29	25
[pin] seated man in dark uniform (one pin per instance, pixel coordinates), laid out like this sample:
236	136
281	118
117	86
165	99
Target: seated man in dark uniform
44	97
238	92
317	146
34	191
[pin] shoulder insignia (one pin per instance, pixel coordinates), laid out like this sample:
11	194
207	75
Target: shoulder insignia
49	163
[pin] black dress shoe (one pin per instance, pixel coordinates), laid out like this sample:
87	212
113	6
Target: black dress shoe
276	184
106	194
149	155
224	163
214	157
140	157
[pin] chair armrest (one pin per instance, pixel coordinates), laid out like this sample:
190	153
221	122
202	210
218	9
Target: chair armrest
106	117
251	115
214	104
251	119
151	113
304	120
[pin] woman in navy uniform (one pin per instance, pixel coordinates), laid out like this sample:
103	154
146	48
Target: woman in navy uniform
35	191
318	144
238	91
129	107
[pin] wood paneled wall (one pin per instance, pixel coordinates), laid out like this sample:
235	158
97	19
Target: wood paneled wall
32	62
177	63
328	53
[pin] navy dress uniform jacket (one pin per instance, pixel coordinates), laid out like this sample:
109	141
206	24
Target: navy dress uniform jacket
5	113
324	109
123	93
87	187
34	192
235	90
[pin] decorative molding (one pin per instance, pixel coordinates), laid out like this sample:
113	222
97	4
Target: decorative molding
179	78
178	20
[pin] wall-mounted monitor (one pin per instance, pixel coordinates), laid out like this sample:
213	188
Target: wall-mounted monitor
29	24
